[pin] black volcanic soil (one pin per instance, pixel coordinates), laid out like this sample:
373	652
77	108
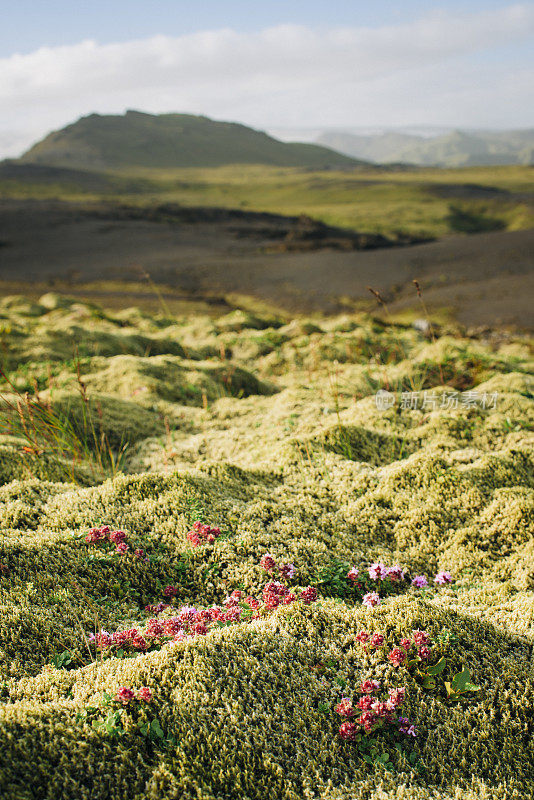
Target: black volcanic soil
485	279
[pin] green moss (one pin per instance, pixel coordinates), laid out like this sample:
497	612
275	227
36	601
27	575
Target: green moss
274	435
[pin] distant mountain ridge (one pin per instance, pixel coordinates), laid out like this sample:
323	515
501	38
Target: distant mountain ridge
136	139
454	149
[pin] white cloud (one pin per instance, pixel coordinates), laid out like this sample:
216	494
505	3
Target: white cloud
425	71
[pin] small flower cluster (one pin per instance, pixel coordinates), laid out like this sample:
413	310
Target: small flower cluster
201	533
442	578
376	572
286	571
191	622
118	538
126	695
373	712
420	641
393	575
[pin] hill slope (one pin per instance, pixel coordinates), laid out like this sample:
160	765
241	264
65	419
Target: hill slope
455	149
171	140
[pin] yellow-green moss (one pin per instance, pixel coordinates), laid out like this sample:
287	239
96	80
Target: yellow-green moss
273	434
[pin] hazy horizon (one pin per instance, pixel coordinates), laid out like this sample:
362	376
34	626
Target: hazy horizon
288	66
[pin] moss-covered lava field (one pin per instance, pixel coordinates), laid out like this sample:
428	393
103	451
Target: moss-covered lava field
226	574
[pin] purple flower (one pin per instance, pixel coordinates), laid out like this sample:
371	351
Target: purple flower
406	727
419	581
443	578
287	571
371	599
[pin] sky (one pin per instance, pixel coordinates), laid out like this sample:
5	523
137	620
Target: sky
275	65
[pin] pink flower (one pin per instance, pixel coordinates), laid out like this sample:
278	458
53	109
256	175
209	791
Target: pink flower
365	702
144	694
405	643
271	600
124	695
289	598
233	599
309	595
363	637
122	548
353	573
117	537
154	629
397	656
172	626
101	640
139	642
268	563
395	573
371	599
397	696
252	602
275	587
287	571
381	709
377	640
369	686
377	571
367	720
424	652
94	535
194	538
420	638
199	628
344	707
139	553
233	614
419	581
170	591
443	578
187	614
348	731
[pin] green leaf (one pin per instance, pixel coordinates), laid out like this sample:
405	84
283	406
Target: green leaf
367	758
470	687
438	668
460	680
429	683
340	682
156	730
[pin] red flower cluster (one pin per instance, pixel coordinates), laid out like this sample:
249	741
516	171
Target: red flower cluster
374	712
286	571
420	640
201	533
275	594
191	622
118	538
125	695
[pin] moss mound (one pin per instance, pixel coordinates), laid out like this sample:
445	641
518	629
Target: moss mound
274	435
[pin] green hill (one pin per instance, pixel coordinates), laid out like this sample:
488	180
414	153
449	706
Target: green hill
172	140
